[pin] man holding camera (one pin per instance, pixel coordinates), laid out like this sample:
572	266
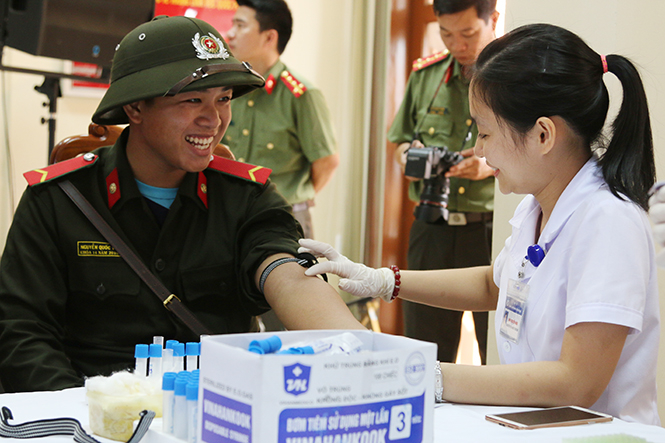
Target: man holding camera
435	113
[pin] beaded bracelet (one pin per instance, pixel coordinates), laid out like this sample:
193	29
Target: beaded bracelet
398	281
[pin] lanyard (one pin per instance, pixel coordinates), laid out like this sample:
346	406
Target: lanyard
534	255
62	426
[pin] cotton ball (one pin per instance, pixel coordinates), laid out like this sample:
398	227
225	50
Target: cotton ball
115	402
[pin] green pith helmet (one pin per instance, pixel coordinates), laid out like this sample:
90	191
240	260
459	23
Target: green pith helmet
169	55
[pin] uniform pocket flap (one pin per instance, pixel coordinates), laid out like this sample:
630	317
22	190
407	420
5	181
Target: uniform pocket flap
104	277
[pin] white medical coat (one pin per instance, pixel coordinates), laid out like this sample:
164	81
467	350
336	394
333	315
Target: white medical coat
599	267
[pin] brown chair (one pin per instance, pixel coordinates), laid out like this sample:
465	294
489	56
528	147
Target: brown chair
98	136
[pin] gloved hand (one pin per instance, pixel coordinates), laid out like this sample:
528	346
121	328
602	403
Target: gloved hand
357	279
657	215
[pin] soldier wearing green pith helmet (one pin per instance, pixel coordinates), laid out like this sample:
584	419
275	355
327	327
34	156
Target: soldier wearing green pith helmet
205	226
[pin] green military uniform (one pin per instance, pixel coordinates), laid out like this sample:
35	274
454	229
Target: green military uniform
436	110
284	126
71	307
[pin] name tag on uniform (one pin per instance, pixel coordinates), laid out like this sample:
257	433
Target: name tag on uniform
514	311
95	249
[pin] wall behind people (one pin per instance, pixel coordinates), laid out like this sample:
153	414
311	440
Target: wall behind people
328	47
331	48
22	109
609	26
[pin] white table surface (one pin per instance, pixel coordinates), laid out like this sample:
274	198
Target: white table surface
466	423
452	422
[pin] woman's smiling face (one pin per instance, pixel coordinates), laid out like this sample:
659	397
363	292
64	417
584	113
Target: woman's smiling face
515	165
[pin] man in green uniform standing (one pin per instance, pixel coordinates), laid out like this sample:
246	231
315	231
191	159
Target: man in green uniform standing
435	112
215	232
286	125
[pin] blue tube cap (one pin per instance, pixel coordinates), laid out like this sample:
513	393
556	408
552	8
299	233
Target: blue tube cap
141	351
268	345
170	344
191	348
155	350
192	391
179	350
256	350
180	386
168	381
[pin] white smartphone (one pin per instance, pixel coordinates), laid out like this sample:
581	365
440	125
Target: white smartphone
550	417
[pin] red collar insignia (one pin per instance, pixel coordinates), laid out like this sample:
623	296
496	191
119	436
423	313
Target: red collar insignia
112	188
270	84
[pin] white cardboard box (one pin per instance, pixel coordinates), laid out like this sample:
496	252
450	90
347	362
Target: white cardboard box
383	394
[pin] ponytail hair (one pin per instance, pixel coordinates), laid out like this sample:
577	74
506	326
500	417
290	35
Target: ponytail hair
628	164
543	70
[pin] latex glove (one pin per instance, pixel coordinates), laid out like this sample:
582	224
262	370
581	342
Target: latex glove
657	215
357	279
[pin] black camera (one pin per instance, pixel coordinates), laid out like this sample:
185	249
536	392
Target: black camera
431	164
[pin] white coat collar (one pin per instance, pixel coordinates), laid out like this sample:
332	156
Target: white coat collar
587	180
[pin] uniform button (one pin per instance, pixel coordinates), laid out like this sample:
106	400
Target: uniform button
88	156
461	190
506	346
245	132
469	122
241	160
250	103
101	289
160	264
270	146
431	131
113	188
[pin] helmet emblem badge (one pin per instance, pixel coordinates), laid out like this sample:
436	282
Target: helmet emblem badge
209	47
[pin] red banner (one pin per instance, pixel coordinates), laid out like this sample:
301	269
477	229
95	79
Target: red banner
216	12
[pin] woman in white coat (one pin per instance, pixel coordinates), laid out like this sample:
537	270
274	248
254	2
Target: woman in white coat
574	288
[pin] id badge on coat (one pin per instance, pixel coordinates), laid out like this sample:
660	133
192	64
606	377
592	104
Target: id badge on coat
514	311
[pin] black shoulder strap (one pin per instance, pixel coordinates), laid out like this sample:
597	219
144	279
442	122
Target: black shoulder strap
170	301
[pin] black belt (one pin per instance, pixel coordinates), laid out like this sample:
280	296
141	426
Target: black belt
464	218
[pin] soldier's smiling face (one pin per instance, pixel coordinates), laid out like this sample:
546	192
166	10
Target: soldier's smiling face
170	136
